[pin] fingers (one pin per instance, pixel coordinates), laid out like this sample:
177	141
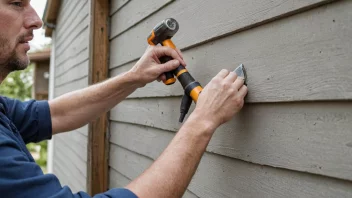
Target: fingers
223	73
162	77
238	83
243	91
169	66
231	77
179	53
167	51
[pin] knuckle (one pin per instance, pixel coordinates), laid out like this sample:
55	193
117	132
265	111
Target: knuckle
231	90
225	84
238	101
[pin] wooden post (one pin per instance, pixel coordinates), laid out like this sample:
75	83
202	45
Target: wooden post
98	143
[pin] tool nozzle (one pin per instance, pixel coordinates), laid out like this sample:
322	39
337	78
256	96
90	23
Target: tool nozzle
182	117
185	104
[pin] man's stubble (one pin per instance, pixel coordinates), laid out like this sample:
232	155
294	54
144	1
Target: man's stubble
9	61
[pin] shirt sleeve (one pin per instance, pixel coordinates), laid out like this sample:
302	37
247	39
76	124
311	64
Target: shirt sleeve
20	177
31	118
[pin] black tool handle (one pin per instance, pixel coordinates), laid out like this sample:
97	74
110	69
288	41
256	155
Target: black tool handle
170	79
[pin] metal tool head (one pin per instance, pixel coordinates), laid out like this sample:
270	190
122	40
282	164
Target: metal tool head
241	72
166	29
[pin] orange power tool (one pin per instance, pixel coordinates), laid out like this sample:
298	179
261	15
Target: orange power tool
162	34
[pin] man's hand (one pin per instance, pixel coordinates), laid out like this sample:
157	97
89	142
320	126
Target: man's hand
149	68
221	99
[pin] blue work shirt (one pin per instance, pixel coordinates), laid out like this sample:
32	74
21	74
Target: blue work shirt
20	176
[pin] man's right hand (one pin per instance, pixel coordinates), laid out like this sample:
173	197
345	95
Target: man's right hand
221	98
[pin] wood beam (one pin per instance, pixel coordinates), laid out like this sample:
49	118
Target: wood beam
98	145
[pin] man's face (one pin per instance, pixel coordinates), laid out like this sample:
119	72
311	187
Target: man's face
17	21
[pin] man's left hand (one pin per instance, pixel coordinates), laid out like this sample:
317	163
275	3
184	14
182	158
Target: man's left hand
149	68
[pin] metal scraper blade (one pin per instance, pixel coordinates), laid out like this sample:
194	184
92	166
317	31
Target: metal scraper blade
241	72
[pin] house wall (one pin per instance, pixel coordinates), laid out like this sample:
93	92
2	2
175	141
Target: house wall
292	139
71	70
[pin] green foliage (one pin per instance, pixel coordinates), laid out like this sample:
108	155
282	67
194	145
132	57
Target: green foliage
18	85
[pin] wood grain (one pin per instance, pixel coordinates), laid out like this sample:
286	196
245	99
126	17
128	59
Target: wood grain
67	178
76	143
73	43
76	162
305	57
219	176
307	137
72	86
117	180
98	143
197	25
73	61
76	72
67	15
68	167
71	24
133	13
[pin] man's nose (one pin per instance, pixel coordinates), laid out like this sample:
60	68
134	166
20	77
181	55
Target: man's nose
32	20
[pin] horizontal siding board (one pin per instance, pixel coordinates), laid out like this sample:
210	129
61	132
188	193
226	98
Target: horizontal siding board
73	61
77	144
140	138
65	14
117	180
68	25
68	179
134	12
83	130
75	42
116	5
69	168
73	45
117	154
76	161
74	73
227	17
219	176
306	57
307	137
127	162
70	82
81	13
189	194
71	67
75	85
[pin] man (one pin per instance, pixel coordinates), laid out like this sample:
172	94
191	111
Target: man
33	121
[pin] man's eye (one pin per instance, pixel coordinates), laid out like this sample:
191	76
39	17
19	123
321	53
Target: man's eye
18	4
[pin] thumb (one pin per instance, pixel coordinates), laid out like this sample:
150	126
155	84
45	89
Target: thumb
170	65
